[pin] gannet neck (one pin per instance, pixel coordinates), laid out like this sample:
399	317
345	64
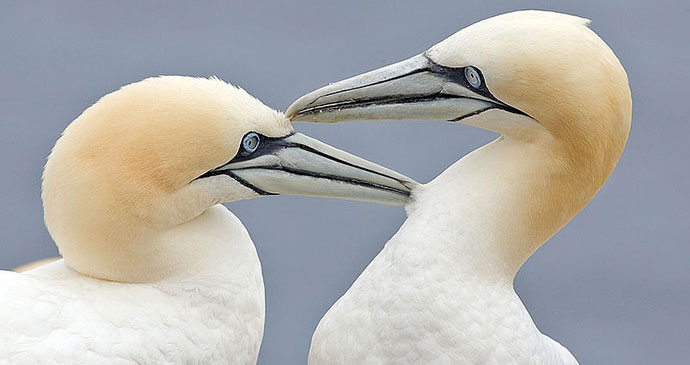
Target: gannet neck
494	207
205	243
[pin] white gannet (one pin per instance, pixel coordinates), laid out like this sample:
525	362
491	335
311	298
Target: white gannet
154	269
441	290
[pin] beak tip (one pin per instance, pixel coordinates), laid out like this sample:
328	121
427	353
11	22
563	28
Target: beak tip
293	111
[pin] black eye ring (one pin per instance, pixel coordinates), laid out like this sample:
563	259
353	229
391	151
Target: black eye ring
473	77
250	142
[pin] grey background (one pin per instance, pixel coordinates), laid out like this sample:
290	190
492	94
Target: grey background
612	285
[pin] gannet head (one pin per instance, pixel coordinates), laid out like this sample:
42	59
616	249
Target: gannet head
516	74
537	77
157	153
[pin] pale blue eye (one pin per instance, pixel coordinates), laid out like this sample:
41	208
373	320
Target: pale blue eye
473	77
250	142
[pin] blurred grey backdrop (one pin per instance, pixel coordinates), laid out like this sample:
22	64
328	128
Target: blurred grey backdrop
612	285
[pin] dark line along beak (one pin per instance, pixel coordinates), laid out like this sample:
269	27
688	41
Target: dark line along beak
417	88
300	165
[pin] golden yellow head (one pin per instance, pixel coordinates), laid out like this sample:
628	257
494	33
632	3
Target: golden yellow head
148	140
157	153
534	75
550	66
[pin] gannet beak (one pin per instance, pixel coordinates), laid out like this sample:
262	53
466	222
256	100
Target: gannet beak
417	88
300	165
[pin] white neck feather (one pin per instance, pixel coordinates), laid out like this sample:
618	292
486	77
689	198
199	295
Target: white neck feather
477	210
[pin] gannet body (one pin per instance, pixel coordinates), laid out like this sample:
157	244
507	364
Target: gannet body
154	270
441	290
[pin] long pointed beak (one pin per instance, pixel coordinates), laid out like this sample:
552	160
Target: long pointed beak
417	89
300	165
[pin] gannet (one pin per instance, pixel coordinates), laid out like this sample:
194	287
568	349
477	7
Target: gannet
154	269
441	290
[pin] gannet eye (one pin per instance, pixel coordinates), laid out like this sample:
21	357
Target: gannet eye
473	77
250	143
